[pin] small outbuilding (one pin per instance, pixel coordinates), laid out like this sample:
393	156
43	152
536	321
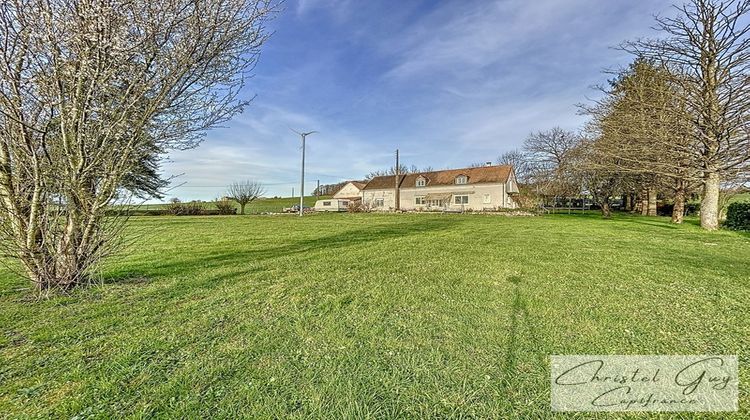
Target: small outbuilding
332	204
352	190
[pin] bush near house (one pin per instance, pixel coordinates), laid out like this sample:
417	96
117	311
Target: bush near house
526	201
738	216
357	207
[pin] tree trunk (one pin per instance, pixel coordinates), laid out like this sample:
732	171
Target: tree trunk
628	202
651	202
710	201
678	211
242	208
606	210
644	202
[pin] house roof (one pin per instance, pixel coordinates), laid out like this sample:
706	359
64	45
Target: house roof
478	175
359	184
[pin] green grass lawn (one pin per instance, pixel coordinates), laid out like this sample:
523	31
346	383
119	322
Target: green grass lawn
364	315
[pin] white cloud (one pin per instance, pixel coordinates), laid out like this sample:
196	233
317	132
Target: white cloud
460	84
260	145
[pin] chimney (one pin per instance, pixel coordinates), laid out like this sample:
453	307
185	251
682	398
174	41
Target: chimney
487	163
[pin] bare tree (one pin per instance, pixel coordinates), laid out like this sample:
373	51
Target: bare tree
329	189
550	148
520	162
403	169
547	154
600	180
707	48
245	192
86	88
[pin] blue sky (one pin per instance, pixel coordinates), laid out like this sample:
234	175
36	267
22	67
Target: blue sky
448	83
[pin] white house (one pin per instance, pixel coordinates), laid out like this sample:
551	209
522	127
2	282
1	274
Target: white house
490	187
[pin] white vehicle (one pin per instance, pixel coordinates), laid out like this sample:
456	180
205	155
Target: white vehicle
332	204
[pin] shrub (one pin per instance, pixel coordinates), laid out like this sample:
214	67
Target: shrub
225	207
136	212
526	200
178	208
193	208
356	206
157	212
738	216
174	207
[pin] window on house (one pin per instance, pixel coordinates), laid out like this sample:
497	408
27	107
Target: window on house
419	201
421	182
379	202
326	203
487	199
344	203
461	199
461	179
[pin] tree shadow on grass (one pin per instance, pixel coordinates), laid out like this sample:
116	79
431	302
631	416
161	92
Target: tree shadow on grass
519	315
129	280
652	222
337	242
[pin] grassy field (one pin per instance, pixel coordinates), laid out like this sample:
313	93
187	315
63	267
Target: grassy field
355	315
261	205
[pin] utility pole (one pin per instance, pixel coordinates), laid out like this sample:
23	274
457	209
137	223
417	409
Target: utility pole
292	192
397	195
317	190
302	175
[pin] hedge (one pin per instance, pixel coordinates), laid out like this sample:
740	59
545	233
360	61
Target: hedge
738	216
162	212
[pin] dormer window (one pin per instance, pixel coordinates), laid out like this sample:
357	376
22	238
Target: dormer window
421	182
461	179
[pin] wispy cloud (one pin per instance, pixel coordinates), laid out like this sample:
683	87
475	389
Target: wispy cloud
491	72
467	37
337	8
448	83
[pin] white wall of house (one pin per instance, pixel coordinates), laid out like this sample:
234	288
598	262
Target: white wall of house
472	197
347	191
379	199
511	185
